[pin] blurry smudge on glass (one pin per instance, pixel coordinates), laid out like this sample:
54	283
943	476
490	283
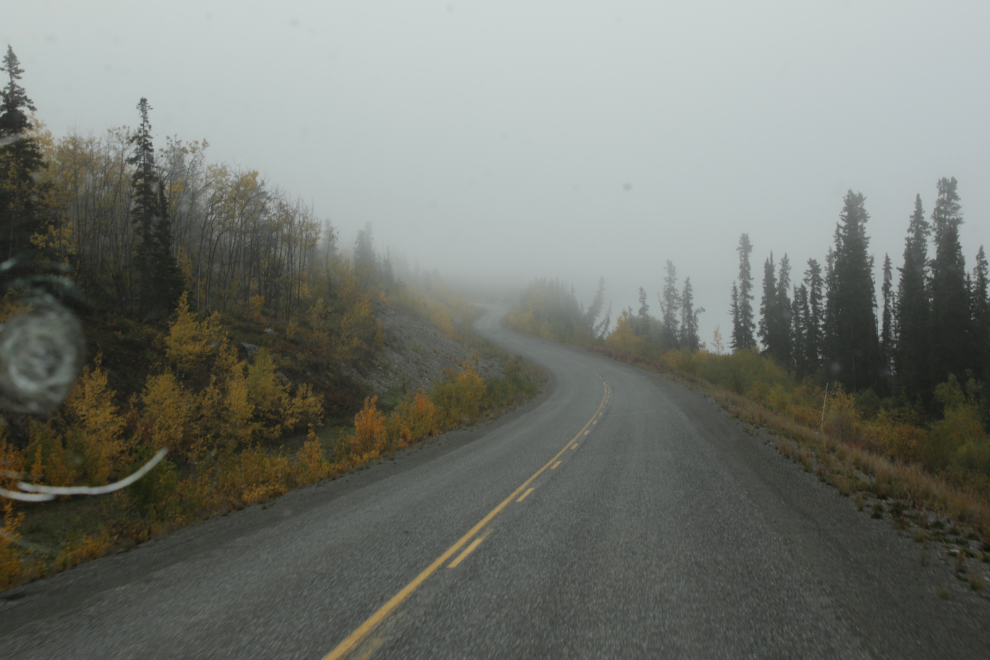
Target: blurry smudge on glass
41	354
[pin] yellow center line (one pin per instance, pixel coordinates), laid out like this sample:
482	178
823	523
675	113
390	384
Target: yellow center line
355	637
468	550
524	495
574	446
554	466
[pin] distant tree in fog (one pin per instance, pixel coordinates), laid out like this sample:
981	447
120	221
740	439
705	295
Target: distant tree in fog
742	319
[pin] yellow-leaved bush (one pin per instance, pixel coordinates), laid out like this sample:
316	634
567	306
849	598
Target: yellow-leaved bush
11	568
190	342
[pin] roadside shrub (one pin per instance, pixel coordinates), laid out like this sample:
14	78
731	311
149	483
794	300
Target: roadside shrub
52	463
889	436
84	548
189	341
459	395
154	496
842	420
419	418
169	413
96	423
370	435
960	428
310	465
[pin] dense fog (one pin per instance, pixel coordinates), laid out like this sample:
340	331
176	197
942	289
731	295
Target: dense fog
514	140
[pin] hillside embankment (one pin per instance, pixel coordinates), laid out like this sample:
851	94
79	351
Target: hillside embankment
249	410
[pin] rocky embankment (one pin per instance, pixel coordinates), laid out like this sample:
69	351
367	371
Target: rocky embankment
414	354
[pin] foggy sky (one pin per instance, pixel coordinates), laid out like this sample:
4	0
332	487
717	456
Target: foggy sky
502	141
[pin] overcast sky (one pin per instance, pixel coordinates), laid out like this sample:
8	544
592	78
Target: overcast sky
507	140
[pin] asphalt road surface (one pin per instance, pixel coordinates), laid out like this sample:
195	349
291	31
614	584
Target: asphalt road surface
616	516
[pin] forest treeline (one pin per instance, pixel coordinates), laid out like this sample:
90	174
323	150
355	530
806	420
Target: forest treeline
905	375
221	320
932	321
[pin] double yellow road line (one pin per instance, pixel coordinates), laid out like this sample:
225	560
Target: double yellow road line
362	631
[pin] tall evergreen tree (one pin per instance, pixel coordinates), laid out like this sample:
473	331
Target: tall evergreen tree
159	279
886	322
767	329
689	318
800	323
742	332
813	318
591	315
734	311
670	305
775	312
168	277
913	308
980	305
20	159
642	325
364	253
785	354
852	345
951	346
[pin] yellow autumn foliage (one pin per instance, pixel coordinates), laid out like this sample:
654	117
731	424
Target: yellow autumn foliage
459	394
189	341
311	465
170	413
370	433
95	424
418	419
51	464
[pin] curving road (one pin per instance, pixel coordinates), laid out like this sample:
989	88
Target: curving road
617	516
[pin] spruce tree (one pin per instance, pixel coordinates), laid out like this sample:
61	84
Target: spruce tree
813	318
951	345
689	318
169	280
767	329
20	159
886	322
364	253
158	278
642	325
913	309
799	330
980	314
742	332
671	303
784	353
852	345
591	315
734	311
775	312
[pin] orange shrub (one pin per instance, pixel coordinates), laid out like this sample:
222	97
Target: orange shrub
311	466
419	419
255	475
370	435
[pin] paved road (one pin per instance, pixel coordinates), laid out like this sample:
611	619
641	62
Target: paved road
617	516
